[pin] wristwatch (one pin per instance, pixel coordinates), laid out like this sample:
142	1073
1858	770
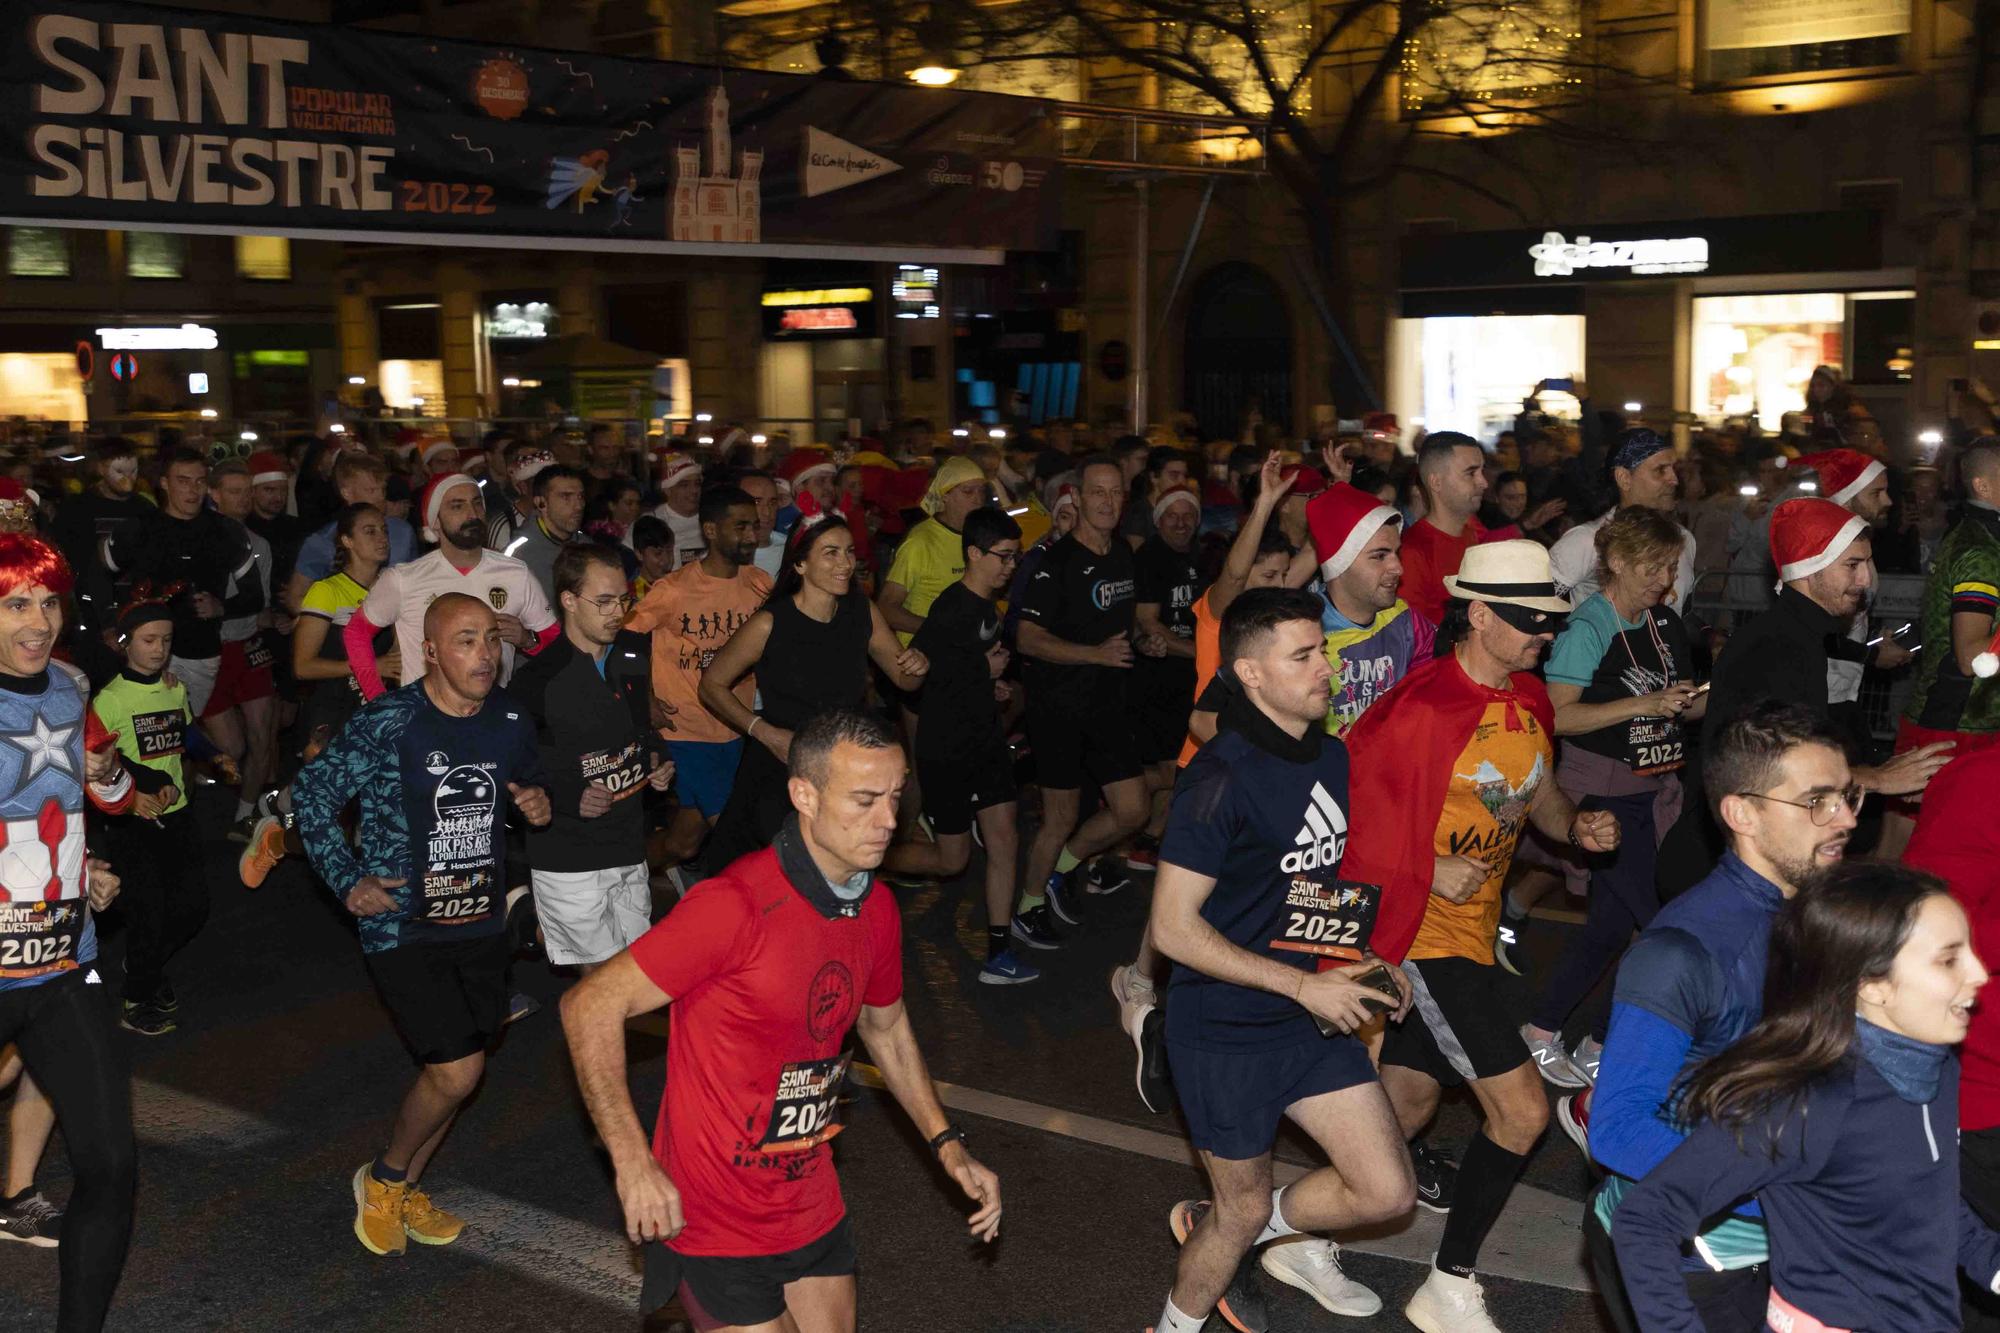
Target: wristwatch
949	1134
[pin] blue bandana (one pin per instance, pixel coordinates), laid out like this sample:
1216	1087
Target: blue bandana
1635	447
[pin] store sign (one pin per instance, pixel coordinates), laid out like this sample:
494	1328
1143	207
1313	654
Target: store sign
1557	258
915	292
143	117
818	319
520	319
1731	25
186	337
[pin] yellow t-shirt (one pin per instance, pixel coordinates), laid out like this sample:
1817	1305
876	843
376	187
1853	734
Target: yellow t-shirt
1485	810
931	559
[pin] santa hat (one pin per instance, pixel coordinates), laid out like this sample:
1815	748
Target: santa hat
1843	473
802	464
1065	494
1308	481
267	466
1343	519
433	499
431	451
1808	534
676	468
1176	495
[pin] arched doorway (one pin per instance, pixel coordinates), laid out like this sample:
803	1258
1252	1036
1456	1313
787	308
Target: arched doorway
1238	351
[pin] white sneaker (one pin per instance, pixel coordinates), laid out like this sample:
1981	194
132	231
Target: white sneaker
1585	1058
1552	1060
1450	1304
1312	1264
1134	998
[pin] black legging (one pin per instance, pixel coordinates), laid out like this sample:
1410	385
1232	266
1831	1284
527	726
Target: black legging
1622	900
69	1042
165	893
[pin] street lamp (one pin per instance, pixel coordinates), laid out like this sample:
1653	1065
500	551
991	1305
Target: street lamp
934	76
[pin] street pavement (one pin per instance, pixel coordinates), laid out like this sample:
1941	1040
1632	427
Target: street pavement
284	1074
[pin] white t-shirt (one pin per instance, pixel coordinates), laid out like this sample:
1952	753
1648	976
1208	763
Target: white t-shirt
1573	564
402	593
689	545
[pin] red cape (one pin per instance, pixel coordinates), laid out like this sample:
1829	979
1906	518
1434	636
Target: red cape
1401	757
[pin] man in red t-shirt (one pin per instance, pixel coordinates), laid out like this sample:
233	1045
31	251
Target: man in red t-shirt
1453	469
767	966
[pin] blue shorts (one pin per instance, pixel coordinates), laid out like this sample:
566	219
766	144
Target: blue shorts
1234	1100
704	771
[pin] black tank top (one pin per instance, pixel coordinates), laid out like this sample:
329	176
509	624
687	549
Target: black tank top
809	667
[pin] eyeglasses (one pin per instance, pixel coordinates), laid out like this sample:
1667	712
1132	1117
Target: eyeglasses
1822	807
606	603
1006	557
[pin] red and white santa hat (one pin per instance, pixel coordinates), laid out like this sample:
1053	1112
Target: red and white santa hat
433	499
267	466
436	447
1810	533
1843	473
675	468
1342	520
1173	495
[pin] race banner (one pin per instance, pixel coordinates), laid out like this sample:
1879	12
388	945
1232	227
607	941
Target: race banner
139	116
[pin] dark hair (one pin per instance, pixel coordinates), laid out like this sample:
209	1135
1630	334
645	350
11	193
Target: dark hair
798	548
228	467
813	744
1089	461
738	476
1980	458
649	532
1845	926
343	526
986	526
1123	445
116	446
175	457
552	474
1746	750
1159	459
1256	612
1439	447
354	463
573	562
717	501
1274	542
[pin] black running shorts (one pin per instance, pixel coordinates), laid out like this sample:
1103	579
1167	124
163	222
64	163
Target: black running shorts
447	1000
958	788
733	1291
1098	743
1464	1023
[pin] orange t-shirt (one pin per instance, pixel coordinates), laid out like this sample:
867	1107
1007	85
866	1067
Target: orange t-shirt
1207	657
690	616
1429	554
1494	781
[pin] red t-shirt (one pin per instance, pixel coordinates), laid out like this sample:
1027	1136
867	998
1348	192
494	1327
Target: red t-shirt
764	991
1429	554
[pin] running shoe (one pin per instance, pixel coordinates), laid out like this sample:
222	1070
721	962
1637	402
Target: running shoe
1312	1264
378	1212
1552	1060
145	1018
1437	1177
1143	854
1139	1018
1447	1303
1062	900
1106	876
1585	1058
1032	928
165	1000
1008	968
522	1005
266	849
426	1223
1242	1306
1155	1079
1573	1114
1507	940
244	828
32	1221
524	926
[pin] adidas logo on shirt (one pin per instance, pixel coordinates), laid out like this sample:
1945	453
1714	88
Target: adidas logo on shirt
1322	839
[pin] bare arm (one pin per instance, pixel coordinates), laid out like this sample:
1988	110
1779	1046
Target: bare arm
1235	573
594	1013
307	637
1971	631
1148	616
736	660
1201	725
893	1046
295	591
1036	642
1558	818
888	653
890	604
1576	718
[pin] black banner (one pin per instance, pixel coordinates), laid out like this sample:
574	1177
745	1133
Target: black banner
144	116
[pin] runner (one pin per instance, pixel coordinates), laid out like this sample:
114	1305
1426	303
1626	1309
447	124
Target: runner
242	713
680	508
558	514
521	461
1249	897
738	1185
1373	638
1452	468
52	1005
429	764
1693	984
1642	472
587	694
1952	702
1452	765
358	478
82	525
1168	582
403	594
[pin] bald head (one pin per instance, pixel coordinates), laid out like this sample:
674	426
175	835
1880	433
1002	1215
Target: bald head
462	646
444	614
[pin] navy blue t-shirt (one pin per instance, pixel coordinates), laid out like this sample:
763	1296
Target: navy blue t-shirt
1271	834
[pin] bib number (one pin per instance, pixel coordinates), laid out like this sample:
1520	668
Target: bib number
1329	921
158	735
37	939
805	1112
451	901
1653	746
256	652
623	772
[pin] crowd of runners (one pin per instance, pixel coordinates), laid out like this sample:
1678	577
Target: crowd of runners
684	721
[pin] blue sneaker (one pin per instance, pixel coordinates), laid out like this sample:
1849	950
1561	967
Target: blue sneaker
1032	929
1061	904
1008	969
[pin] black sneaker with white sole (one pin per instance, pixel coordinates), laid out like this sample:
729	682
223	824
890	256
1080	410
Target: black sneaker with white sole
32	1220
1033	929
1155	1084
1437	1177
1062	899
145	1018
1106	876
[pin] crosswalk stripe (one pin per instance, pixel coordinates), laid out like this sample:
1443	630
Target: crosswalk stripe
1537	1239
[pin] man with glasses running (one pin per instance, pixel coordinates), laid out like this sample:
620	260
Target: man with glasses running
588	695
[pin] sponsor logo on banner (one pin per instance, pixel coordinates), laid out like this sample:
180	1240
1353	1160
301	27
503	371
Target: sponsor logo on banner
831	163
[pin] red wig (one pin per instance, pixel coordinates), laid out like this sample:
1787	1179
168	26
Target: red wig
30	562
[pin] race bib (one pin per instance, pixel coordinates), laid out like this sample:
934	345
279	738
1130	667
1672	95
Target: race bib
1329	920
159	735
454	900
622	771
256	653
37	939
1653	745
805	1112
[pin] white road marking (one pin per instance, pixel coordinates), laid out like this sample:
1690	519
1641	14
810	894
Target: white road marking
168	1117
1538	1238
548	1247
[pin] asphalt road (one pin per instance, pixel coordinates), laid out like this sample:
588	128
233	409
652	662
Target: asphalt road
284	1073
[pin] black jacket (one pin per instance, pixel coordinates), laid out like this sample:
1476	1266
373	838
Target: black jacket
1780	654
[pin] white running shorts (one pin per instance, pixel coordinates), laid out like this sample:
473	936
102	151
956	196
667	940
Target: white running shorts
588	916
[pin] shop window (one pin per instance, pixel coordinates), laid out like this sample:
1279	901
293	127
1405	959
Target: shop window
264	258
1488	56
1754	355
412	385
155	254
41	384
37	252
1471	372
1751	39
